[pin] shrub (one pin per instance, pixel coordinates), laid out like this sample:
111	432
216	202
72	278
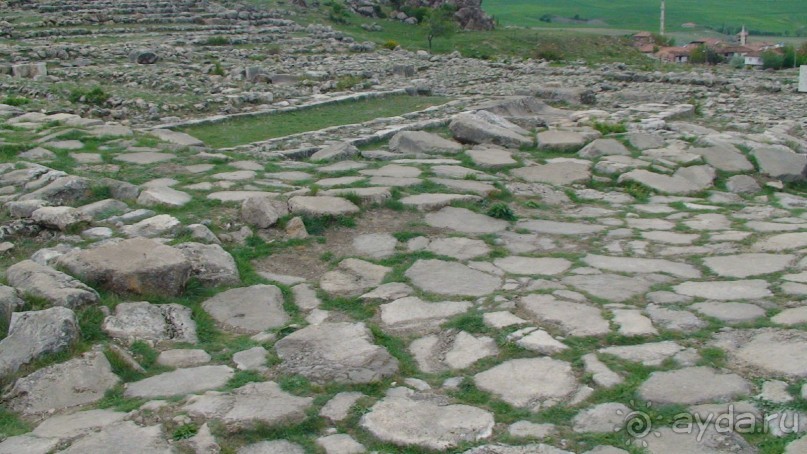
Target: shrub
217	70
418	13
391	44
502	211
217	41
772	60
16	101
96	96
185	431
609	128
737	62
338	13
549	52
347	82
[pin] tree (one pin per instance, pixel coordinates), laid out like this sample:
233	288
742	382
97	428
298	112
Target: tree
705	54
772	60
439	24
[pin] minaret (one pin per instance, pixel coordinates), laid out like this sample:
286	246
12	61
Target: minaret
663	11
743	36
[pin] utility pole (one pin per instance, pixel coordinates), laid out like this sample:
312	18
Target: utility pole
663	12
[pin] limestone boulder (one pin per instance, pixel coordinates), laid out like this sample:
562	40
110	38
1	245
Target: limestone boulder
67	190
138	265
778	161
60	218
422	142
263	212
77	382
55	287
36	333
476	129
151	322
210	264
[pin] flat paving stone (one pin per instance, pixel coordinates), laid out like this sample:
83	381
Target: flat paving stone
353	277
706	440
322	206
375	245
725	290
782	242
143	158
433	201
613	287
559	228
394	171
746	265
793	316
491	157
767	352
405	420
557	173
547	266
730	312
649	354
576	319
693	385
413	314
459	248
163	196
248	309
335	352
532	383
451	278
180	382
464	220
642	265
250	406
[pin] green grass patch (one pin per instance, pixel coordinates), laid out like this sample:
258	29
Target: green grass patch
11	424
242	377
239	131
777	17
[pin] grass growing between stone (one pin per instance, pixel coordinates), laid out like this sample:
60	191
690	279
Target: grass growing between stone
245	130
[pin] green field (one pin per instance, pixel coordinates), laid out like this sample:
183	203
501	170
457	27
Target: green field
770	16
243	130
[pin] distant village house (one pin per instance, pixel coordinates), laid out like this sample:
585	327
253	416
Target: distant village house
751	52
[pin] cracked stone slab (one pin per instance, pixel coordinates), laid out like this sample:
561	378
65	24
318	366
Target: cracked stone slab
532	383
405	420
451	278
413	314
693	385
576	319
335	352
248	309
766	352
253	404
180	382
